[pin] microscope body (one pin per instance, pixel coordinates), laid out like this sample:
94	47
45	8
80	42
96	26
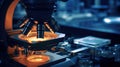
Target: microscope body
39	10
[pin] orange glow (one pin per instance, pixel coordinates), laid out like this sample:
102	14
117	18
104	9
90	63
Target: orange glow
38	58
35	39
36	22
46	24
32	37
9	15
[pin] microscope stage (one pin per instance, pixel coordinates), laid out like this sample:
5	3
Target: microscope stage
40	44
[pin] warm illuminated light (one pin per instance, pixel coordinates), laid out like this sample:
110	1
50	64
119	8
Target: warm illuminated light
32	37
28	33
46	24
35	39
38	58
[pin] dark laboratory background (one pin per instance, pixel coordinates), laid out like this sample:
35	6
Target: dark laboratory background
92	35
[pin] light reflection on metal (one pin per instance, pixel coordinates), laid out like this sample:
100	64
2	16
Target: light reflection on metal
32	37
24	23
107	20
35	39
28	33
112	20
46	24
68	17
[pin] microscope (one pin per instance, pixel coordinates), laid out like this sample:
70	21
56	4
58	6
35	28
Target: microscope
32	41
